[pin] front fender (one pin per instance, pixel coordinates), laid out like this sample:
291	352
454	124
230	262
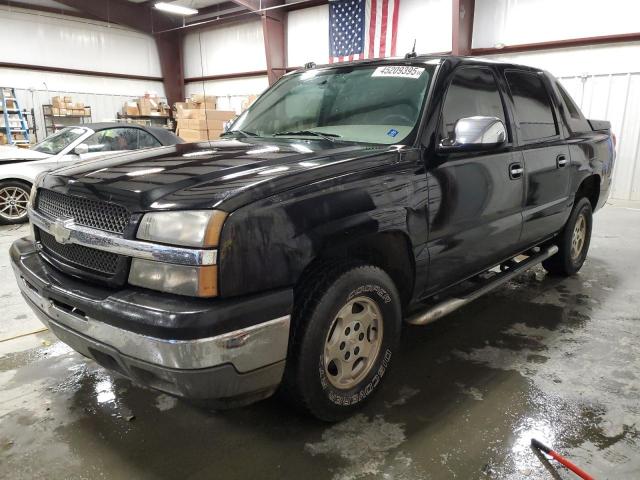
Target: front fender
268	244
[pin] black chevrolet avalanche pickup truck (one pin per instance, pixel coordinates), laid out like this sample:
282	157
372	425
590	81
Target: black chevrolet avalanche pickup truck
287	255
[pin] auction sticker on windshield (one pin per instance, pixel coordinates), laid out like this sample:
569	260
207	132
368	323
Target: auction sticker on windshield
403	71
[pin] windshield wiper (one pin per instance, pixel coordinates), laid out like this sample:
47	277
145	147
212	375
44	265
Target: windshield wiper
241	132
326	136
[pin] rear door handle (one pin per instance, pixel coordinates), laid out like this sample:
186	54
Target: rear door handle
561	160
515	171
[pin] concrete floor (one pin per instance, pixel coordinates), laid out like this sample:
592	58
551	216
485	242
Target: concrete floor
557	359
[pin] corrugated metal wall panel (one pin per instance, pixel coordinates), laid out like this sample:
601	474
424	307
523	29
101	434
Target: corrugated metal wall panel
224	49
614	97
512	22
38	38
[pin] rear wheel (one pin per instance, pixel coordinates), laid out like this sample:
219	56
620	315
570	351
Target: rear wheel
346	326
573	242
14	197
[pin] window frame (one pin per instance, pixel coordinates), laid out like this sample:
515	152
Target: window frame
142	131
506	111
552	102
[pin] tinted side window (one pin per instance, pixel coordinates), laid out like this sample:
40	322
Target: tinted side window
113	139
473	91
146	140
533	106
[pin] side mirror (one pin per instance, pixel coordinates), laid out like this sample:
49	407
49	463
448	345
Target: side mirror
81	149
475	133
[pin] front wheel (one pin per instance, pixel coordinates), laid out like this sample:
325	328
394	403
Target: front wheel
346	327
573	242
14	198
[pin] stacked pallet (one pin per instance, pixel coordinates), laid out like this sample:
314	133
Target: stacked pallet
198	119
147	106
65	106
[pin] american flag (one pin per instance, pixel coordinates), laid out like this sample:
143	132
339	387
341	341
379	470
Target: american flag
362	29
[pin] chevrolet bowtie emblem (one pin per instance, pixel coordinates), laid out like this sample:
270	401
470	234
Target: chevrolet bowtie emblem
61	229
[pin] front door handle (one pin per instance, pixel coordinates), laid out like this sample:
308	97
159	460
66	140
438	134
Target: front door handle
515	171
561	161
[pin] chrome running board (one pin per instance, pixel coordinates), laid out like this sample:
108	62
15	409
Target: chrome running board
513	269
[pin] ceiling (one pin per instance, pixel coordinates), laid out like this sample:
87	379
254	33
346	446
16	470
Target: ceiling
197	4
41	3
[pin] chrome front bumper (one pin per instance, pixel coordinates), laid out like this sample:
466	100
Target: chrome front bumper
246	349
228	365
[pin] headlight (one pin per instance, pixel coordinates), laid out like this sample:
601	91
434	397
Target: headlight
179	279
197	228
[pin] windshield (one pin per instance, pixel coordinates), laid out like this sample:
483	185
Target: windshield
361	104
57	142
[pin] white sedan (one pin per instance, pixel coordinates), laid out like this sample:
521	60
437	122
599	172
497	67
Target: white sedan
19	167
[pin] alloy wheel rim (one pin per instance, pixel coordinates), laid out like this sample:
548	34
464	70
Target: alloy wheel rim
578	237
13	203
353	343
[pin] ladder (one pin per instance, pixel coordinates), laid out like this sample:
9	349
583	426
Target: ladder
14	121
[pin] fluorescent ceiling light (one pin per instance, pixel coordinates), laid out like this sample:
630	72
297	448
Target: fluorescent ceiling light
177	9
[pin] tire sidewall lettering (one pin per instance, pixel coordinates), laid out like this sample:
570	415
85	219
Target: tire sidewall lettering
340	399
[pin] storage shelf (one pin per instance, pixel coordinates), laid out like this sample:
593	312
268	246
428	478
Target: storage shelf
53	122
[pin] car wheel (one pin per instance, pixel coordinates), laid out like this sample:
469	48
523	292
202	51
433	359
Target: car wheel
573	242
14	197
345	330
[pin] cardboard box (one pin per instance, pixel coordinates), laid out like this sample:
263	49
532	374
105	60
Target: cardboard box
79	112
68	100
144	107
130	108
63	111
212	114
183	123
200	98
79	105
189	135
207	105
55	111
215	134
87	111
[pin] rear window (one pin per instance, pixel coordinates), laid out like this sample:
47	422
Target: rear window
533	106
574	118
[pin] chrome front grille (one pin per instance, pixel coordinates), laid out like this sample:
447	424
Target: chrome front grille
84	211
101	262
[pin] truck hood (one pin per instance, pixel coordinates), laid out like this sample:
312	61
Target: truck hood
225	174
10	154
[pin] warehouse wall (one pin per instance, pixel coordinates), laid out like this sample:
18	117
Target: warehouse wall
221	50
513	22
225	49
428	22
56	41
605	81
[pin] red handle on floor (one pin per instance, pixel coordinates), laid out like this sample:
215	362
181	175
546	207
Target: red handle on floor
575	469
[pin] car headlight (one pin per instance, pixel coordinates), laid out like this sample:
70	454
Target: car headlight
198	228
179	279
